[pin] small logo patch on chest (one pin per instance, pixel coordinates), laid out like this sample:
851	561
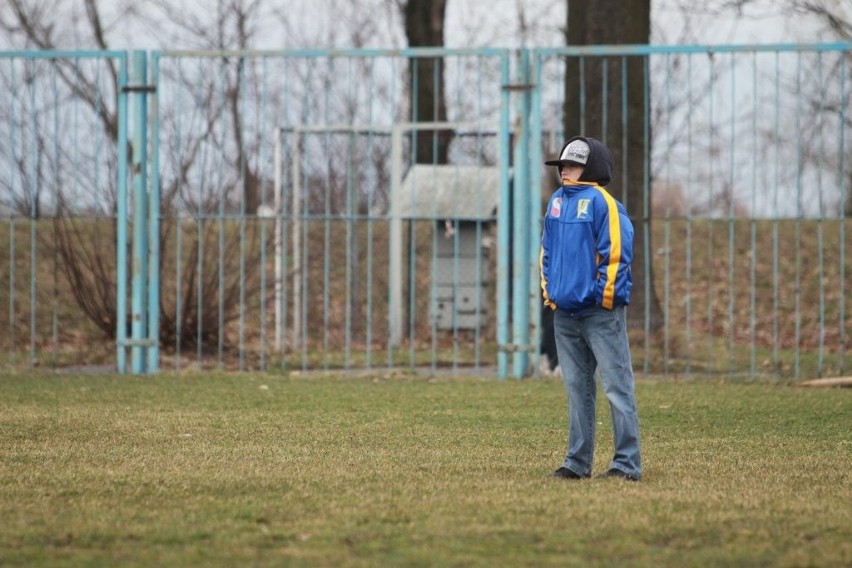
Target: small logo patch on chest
583	208
556	207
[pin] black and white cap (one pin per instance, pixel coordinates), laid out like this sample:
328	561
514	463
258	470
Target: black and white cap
576	152
590	153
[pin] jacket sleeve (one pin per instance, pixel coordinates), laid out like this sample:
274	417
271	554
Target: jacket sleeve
544	265
614	246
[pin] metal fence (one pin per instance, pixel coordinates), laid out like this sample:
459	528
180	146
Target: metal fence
61	116
274	210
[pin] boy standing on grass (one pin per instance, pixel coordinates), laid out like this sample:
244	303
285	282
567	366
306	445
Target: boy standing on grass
586	251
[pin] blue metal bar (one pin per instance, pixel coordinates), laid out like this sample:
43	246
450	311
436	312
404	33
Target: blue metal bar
326	253
406	53
711	355
689	186
11	333
646	204
62	54
153	363
798	278
222	197
178	221
34	199
121	221
521	276
220	261
243	165
220	279
12	248
456	241
732	143
433	277
57	136
76	128
368	346
503	228
844	196
140	216
776	185
349	230
199	282
820	222
536	162
305	261
753	248
477	334
390	224
263	223
350	241
667	226
412	245
282	256
604	50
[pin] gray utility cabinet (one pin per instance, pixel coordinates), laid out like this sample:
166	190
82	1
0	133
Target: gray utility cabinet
460	276
462	201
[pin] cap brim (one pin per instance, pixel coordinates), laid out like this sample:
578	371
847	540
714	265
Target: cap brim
562	163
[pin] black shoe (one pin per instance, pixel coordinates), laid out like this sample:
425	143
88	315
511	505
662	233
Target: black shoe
617	474
565	473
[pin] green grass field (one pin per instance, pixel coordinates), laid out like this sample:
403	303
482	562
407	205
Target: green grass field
399	470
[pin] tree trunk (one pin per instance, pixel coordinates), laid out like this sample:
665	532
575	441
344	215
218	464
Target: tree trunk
424	27
595	92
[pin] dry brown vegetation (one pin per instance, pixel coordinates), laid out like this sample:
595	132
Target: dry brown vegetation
767	293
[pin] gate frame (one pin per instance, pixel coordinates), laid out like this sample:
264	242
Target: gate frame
145	340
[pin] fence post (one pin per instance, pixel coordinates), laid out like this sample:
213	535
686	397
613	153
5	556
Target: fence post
121	226
154	226
503	228
535	203
139	310
520	225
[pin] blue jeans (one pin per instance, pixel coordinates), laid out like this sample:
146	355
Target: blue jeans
597	339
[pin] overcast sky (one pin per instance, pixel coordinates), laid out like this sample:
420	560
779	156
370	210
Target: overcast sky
539	23
500	23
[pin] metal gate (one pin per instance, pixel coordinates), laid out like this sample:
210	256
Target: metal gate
303	225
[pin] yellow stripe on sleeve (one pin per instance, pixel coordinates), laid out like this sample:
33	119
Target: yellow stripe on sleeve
547	301
614	250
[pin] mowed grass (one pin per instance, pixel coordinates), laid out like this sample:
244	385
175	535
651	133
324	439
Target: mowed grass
395	470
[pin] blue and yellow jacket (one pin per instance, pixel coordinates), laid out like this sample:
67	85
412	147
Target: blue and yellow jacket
586	249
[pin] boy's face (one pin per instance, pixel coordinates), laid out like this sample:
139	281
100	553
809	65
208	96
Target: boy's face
570	172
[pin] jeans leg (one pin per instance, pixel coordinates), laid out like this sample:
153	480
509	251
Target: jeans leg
578	375
607	334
